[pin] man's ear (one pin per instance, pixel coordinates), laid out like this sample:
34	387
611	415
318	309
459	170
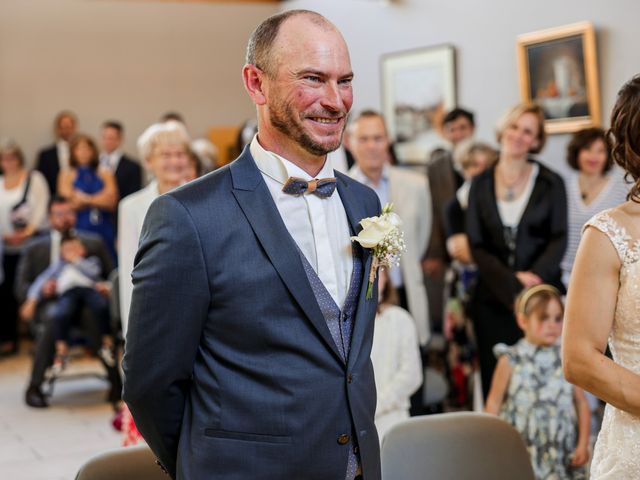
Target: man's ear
253	82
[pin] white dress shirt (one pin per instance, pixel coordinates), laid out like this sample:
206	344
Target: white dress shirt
338	159
111	160
319	226
56	238
63	154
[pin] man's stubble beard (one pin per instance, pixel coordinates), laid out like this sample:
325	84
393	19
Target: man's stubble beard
284	120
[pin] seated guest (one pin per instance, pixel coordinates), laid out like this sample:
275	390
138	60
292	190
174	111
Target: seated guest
91	189
593	187
164	149
517	229
23	211
37	256
409	193
395	356
78	285
127	171
53	159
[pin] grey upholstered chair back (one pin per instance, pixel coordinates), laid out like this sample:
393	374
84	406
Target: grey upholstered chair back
130	463
455	446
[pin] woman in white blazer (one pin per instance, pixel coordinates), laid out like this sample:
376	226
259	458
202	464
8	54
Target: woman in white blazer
164	148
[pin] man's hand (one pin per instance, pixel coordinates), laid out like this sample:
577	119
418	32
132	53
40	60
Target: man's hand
458	248
28	310
528	279
49	288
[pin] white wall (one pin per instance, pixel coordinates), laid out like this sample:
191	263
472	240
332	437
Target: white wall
484	33
123	59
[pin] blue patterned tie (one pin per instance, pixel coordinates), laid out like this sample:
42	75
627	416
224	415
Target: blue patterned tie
322	187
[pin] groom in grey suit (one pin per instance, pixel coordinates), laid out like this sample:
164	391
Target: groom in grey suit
248	348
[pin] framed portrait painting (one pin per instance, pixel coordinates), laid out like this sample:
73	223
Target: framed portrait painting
558	70
418	88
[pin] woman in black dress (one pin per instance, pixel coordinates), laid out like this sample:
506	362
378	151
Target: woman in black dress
517	229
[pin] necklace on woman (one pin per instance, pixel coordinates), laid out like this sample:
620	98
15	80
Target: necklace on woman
590	189
511	187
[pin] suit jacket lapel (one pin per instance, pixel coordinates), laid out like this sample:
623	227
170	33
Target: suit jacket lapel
353	207
257	205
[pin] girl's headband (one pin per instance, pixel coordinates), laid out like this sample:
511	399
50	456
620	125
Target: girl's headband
526	296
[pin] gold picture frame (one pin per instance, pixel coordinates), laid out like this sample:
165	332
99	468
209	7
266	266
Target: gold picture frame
558	70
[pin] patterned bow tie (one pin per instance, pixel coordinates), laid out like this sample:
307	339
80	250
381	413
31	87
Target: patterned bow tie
322	187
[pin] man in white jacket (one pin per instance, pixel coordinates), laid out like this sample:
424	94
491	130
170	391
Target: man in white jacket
409	193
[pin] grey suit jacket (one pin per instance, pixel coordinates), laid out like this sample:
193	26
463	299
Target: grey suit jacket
231	371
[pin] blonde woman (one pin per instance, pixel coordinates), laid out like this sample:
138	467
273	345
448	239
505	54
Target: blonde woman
517	229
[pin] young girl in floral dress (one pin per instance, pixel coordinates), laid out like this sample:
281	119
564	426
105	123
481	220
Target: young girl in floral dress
530	392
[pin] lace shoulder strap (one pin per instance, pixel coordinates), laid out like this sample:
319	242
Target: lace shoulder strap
615	232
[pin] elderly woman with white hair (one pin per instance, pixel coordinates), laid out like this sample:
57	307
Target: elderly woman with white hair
164	148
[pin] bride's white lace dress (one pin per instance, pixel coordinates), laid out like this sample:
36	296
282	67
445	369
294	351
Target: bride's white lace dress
617	451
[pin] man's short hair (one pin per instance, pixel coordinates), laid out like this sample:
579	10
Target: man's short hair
368	113
457	113
69	236
57	200
172	116
65	114
260	46
115	125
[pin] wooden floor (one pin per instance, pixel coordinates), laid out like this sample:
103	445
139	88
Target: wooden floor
52	443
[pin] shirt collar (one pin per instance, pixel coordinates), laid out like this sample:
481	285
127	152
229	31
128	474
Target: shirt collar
279	168
357	174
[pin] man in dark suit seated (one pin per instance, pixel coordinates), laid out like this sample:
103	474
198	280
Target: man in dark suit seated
54	158
38	255
250	331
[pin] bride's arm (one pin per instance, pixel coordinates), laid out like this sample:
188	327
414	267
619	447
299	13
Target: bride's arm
591	303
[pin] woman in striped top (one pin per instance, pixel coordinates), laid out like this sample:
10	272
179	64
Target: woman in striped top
593	187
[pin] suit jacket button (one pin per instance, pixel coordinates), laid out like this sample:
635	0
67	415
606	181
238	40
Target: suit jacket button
343	439
349	378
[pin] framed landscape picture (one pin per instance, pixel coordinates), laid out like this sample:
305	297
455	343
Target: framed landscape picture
418	88
558	70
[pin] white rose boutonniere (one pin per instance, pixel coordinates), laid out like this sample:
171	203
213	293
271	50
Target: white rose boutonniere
385	239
